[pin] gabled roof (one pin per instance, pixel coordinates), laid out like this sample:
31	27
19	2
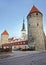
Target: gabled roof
33	10
5	33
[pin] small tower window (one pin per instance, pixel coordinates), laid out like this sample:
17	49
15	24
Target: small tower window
30	15
36	13
37	24
29	24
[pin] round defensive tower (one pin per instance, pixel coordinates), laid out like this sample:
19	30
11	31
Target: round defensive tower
4	37
35	29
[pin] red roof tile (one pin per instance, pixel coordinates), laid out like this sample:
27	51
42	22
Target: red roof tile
33	10
5	33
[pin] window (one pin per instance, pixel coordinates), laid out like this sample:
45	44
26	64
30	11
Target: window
29	24
37	24
30	15
36	13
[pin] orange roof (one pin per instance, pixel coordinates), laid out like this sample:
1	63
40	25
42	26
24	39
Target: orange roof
5	33
33	10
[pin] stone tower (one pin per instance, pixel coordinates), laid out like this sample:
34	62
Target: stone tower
4	37
23	31
35	29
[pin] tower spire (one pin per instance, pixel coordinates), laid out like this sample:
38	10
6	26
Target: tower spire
23	31
23	26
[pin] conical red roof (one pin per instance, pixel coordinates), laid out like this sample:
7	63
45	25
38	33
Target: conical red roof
33	10
5	33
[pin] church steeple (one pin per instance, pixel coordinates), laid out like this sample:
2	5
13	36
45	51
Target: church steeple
23	31
23	26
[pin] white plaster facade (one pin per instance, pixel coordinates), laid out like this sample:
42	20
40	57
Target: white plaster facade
4	39
23	34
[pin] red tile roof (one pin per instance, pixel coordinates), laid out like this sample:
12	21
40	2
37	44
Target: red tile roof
5	33
33	10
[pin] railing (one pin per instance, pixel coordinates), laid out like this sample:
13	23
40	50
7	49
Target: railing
16	43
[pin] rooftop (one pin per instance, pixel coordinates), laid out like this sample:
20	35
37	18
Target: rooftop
5	32
33	10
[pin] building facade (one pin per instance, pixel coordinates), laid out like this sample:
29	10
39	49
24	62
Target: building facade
35	29
13	42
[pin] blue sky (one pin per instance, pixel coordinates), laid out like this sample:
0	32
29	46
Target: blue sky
12	13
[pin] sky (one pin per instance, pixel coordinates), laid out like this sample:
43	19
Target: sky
12	13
